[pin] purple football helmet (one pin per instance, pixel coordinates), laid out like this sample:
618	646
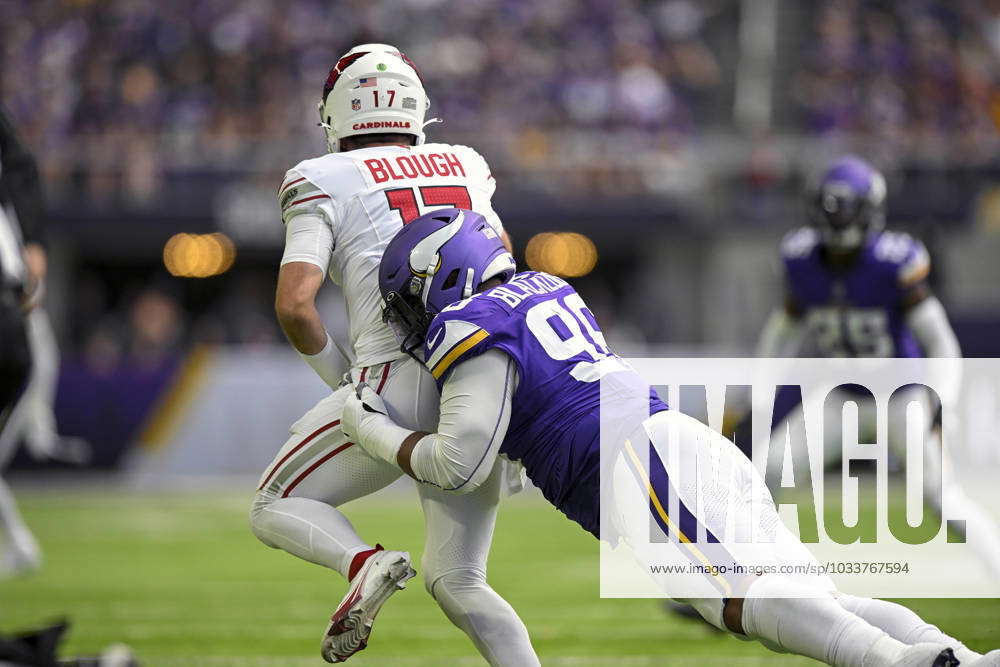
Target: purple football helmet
848	203
435	260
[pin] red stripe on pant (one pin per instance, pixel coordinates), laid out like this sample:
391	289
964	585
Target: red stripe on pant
296	448
385	375
318	463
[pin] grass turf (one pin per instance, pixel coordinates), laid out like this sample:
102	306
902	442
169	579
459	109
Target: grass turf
180	579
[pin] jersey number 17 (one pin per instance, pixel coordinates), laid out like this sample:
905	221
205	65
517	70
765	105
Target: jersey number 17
404	200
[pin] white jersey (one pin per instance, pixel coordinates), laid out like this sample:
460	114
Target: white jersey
342	209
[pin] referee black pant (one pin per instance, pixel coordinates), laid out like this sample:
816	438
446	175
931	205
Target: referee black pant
15	355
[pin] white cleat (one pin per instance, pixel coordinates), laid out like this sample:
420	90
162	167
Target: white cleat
20	562
384	573
991	659
927	655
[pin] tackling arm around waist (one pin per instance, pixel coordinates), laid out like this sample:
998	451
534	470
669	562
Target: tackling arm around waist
475	413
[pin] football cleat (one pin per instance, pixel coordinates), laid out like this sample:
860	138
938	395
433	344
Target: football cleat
384	573
21	559
927	655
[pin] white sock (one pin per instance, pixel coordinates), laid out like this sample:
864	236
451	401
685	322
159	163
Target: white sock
777	612
20	542
309	529
903	624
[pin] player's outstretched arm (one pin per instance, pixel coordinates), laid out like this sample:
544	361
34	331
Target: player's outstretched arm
929	324
475	413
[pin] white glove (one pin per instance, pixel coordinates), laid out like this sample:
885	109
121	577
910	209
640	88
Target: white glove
365	421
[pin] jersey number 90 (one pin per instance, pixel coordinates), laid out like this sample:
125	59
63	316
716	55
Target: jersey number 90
559	326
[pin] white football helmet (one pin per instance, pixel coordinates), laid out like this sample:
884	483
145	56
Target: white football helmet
373	88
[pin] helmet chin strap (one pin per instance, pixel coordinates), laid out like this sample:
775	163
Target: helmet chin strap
469	277
431	270
332	146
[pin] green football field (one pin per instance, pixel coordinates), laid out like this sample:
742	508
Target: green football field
180	579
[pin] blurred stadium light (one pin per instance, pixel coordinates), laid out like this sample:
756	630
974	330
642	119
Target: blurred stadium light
198	255
565	254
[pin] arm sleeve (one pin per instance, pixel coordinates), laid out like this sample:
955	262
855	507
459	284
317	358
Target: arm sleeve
308	238
308	227
19	182
475	413
929	323
916	266
782	335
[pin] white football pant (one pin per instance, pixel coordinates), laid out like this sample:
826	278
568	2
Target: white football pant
318	470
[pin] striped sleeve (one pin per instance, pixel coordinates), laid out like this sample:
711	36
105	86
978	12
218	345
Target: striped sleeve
298	195
451	341
916	267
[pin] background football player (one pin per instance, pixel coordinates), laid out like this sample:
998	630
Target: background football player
854	289
519	358
340	211
22	269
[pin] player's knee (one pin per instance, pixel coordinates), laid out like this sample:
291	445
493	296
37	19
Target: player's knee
468	601
455	582
258	516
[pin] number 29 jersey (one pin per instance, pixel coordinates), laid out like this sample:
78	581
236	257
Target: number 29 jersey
856	311
340	211
544	326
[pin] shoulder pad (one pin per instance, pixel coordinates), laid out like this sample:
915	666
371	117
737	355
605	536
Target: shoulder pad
799	243
910	256
893	247
451	341
473	160
337	175
456	334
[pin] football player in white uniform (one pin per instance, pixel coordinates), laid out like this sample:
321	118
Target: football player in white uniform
340	211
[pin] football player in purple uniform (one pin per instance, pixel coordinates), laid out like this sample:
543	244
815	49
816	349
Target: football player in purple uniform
854	289
518	358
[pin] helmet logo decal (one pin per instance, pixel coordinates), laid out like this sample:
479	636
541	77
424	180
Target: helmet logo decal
402	56
424	258
338	69
355	104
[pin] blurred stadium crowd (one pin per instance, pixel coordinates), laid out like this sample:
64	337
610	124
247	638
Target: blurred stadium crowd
115	95
909	76
219	85
615	119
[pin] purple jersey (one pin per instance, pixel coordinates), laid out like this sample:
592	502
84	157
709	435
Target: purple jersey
856	311
545	327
